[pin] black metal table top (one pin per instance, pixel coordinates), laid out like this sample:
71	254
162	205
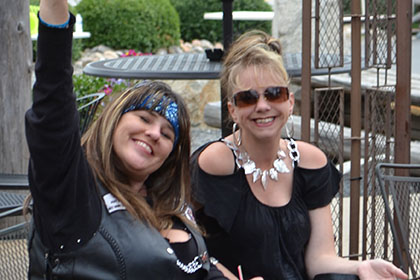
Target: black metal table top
185	66
9	200
13	181
171	66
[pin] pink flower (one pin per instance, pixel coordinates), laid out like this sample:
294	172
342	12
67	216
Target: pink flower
107	90
134	53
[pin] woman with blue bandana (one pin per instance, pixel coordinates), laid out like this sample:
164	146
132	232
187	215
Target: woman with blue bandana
114	203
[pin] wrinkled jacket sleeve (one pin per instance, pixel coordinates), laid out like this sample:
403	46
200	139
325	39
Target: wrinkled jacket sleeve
66	206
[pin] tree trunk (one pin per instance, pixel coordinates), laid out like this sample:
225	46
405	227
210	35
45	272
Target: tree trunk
15	84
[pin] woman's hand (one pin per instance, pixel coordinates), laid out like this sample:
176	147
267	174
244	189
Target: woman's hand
379	269
54	11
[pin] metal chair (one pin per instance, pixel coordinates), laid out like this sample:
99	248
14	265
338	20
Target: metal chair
400	189
87	106
14	260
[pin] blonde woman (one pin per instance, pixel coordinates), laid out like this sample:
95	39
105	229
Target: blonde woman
264	201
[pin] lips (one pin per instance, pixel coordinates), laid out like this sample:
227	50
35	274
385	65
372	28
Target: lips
144	146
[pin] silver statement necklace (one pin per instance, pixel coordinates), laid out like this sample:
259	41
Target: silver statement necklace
279	166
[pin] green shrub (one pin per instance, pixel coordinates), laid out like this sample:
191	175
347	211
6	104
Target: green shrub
194	26
33	18
144	25
84	84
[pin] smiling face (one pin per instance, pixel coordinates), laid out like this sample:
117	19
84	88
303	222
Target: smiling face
264	119
142	141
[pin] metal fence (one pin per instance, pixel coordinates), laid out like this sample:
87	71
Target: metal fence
331	105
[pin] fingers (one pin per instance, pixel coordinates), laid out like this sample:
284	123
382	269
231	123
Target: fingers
400	274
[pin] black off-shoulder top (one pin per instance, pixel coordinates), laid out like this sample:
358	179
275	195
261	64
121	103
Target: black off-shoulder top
266	241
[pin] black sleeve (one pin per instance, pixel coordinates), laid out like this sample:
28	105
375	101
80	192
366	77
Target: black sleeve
321	186
66	205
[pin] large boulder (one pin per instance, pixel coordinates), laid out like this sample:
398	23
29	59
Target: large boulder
196	93
287	24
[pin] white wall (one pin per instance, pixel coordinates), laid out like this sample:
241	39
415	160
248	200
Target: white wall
73	2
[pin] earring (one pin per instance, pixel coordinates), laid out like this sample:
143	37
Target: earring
290	131
238	141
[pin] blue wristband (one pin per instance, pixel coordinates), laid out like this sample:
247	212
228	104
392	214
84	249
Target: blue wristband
61	26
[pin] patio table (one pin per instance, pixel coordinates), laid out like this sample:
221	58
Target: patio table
189	66
10	200
13	181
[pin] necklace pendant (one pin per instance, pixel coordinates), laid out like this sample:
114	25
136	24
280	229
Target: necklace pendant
249	167
256	175
281	154
273	174
264	179
280	166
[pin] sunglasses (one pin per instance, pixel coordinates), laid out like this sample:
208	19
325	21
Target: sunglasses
250	97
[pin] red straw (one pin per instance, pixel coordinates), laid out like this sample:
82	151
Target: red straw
240	273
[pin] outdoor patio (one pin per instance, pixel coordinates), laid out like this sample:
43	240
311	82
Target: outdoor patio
365	117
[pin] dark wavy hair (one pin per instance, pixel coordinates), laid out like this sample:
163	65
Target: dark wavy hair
168	186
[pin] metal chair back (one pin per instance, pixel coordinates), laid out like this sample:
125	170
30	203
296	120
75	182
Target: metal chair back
87	106
14	259
400	189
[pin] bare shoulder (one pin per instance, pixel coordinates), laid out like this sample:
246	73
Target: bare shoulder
311	157
217	159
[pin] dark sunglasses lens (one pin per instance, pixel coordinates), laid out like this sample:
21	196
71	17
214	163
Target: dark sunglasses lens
277	94
246	98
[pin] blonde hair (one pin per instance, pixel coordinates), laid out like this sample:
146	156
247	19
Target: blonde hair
253	48
168	187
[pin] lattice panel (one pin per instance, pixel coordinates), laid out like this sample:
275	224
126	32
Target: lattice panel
403	197
407	196
380	33
328	34
379	127
14	261
328	136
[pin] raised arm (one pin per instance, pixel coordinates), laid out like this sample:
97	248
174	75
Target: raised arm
66	206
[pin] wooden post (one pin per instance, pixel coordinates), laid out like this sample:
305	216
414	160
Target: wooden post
227	40
306	70
402	107
355	122
15	84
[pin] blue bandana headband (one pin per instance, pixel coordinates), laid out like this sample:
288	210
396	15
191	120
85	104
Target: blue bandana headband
171	112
